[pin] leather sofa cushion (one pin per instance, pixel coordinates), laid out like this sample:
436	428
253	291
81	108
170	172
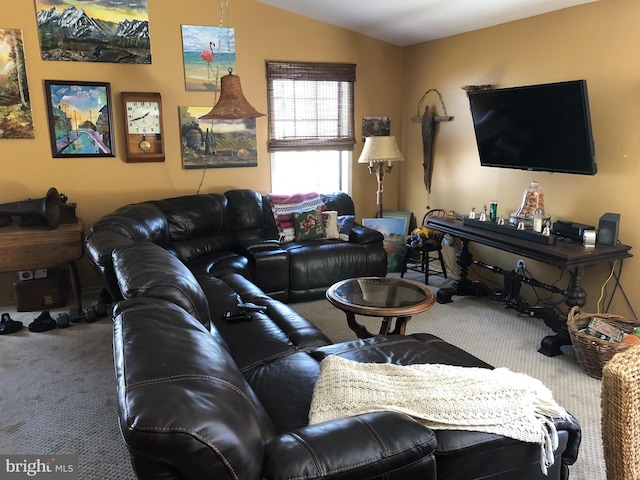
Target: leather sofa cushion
146	269
246	208
278	332
299	331
192	216
325	262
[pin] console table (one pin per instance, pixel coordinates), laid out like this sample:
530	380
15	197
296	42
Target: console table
571	256
31	248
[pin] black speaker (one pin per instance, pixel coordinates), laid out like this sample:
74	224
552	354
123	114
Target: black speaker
608	229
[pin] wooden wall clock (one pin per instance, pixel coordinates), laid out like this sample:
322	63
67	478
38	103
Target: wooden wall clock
143	126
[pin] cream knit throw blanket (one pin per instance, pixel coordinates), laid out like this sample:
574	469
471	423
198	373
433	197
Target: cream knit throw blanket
442	397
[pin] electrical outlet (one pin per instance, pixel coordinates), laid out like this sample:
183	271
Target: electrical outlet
520	265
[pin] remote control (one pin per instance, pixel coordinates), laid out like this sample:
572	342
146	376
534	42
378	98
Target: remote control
236	317
252	307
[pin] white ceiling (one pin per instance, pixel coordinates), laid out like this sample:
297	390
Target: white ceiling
407	22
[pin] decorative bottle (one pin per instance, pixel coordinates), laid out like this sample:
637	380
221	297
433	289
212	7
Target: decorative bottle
537	220
532	200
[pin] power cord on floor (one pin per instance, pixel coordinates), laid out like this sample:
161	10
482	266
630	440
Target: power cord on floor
624	295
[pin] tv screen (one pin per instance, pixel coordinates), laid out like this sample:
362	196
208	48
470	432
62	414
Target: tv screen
543	128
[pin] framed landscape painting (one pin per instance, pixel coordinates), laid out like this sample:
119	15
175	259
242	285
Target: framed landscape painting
394	240
80	118
216	143
94	31
16	119
405	216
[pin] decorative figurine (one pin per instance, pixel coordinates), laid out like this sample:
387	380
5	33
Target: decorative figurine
501	220
472	214
546	231
521	225
483	214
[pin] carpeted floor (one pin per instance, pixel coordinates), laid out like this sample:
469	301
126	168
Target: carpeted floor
58	387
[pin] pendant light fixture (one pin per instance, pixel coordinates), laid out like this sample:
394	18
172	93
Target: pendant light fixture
232	103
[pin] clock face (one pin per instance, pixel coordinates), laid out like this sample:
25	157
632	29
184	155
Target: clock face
143	117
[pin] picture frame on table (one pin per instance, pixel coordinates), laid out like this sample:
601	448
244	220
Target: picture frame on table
405	216
80	118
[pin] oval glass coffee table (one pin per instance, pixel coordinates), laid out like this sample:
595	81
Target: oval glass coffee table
384	297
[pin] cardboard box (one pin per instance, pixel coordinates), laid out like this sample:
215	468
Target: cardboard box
42	293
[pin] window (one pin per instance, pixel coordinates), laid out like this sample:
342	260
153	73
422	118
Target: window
311	128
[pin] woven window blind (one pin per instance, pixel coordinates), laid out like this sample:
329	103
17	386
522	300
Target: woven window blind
310	106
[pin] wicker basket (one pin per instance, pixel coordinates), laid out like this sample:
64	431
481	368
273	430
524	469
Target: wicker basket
592	353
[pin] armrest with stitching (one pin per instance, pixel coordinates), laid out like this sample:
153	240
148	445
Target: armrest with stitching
373	445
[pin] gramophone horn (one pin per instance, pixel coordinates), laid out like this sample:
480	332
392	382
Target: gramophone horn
47	208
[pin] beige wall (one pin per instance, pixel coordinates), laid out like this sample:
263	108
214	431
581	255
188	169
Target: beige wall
99	185
598	42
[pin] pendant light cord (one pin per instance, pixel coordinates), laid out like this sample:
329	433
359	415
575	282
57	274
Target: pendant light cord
223	4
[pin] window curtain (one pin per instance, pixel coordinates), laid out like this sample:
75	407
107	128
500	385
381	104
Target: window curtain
310	106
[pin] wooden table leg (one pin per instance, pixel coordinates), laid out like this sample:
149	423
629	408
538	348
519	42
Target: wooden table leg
385	326
360	330
463	286
401	325
74	281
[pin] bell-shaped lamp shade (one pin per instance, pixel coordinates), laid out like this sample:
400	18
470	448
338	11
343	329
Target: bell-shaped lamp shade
231	104
380	149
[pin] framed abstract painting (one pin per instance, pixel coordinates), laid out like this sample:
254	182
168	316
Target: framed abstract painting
80	118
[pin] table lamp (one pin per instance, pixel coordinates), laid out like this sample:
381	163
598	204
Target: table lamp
377	151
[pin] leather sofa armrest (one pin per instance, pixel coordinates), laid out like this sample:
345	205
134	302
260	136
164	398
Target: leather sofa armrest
260	245
271	269
373	445
572	426
363	235
100	245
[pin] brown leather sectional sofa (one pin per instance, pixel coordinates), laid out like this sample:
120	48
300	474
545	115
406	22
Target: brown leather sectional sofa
202	397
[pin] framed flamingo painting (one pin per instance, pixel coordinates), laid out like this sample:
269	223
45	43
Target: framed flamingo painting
208	53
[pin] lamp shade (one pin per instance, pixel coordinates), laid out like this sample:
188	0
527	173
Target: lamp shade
380	149
232	104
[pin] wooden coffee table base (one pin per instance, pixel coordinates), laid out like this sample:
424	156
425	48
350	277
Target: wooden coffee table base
382	297
362	332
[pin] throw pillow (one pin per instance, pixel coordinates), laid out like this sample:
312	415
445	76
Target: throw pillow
345	224
283	207
330	220
309	224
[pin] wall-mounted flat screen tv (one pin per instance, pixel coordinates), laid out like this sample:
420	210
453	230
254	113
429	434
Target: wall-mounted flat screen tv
543	128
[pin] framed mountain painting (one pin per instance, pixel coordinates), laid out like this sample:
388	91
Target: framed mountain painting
90	31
